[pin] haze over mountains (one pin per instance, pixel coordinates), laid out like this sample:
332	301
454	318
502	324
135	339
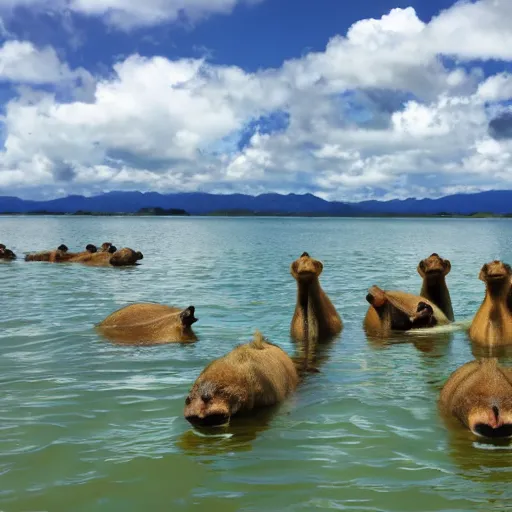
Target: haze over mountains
496	202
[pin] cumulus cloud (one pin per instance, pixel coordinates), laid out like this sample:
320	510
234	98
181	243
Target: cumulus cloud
380	111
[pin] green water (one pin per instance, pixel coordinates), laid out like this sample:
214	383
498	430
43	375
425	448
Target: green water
91	426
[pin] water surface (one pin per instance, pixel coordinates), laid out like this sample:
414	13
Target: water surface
89	426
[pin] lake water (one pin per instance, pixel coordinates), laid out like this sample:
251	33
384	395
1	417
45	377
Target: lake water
89	426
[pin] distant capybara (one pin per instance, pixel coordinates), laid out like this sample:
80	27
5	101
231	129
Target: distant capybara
149	324
125	256
252	375
433	270
105	246
91	248
59	255
315	317
6	254
479	396
400	311
492	324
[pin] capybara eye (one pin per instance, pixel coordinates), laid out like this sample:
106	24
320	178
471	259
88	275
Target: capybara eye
187	400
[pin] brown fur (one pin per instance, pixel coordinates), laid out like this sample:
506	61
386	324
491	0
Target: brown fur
479	396
6	254
492	324
253	375
121	258
150	324
433	270
58	255
399	311
315	318
125	256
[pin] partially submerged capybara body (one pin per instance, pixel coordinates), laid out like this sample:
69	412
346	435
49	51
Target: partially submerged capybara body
105	258
492	324
149	324
6	254
61	254
433	270
315	317
253	375
400	311
479	396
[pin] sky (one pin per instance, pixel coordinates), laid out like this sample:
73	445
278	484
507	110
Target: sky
374	99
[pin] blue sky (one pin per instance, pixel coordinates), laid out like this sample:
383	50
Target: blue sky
347	100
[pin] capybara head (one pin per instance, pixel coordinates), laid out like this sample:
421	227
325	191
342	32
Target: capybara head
6	254
207	405
2	247
376	297
105	246
139	255
62	248
112	249
187	316
434	267
495	271
124	257
91	248
424	315
306	268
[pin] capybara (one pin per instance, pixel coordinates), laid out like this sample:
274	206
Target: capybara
59	255
479	395
315	317
150	324
399	311
91	248
125	256
433	270
105	246
6	254
255	374
492	324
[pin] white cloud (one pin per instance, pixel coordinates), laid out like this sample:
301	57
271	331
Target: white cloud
377	109
129	14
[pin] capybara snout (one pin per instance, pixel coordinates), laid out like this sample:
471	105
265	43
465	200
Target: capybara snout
495	270
206	407
434	266
187	316
306	267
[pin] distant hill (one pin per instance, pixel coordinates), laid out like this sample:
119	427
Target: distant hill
492	203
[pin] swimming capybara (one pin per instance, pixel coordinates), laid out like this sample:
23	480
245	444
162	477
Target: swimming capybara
105	246
492	324
125	256
59	255
315	317
149	324
399	311
433	270
6	254
479	396
253	375
91	248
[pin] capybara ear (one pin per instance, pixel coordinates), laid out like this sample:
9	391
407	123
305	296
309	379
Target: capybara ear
319	266
62	248
112	249
421	268
187	316
483	272
139	255
447	266
293	269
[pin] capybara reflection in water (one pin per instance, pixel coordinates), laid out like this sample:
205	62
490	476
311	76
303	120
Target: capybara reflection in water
433	270
492	324
255	374
6	254
315	317
399	311
149	324
479	396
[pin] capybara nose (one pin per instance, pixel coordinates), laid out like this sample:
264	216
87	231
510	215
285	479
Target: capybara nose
486	430
212	420
304	255
369	298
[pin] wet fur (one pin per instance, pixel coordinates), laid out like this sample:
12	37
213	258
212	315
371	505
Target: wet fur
253	375
394	314
474	389
315	319
149	324
492	323
433	270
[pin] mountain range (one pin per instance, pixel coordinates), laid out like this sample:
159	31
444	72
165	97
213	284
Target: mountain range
495	202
